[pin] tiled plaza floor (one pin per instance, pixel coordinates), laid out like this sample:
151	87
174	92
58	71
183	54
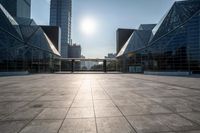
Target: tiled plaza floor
99	103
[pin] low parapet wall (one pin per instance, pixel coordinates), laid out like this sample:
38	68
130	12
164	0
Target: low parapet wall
168	73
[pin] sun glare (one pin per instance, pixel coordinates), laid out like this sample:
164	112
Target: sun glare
88	26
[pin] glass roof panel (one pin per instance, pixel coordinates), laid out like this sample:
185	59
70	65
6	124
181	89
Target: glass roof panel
146	26
139	39
180	12
9	24
23	21
27	31
40	39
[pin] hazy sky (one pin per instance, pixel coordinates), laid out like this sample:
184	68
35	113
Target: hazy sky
109	15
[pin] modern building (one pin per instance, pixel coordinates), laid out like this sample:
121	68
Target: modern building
24	46
17	8
122	36
110	56
74	51
60	15
138	39
172	46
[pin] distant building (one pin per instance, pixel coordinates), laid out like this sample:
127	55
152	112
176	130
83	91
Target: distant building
82	56
83	63
74	51
110	56
122	36
87	65
17	8
54	34
60	15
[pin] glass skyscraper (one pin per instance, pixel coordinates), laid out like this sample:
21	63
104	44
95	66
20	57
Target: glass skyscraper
18	8
60	15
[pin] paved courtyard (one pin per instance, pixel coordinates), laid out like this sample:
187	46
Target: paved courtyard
99	103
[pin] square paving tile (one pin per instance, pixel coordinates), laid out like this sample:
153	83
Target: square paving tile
55	98
52	114
147	124
51	104
153	109
107	111
24	114
42	126
131	110
195	99
179	105
78	126
9	107
193	116
176	122
114	125
80	113
15	98
103	103
84	96
100	96
124	102
82	103
12	126
190	131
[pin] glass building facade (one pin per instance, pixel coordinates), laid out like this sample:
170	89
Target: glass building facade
24	46
174	43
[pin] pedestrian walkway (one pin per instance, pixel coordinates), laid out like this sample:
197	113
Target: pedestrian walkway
99	103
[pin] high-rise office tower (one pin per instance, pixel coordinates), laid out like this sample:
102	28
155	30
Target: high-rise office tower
18	8
60	15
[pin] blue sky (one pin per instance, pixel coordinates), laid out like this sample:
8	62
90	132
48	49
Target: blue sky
109	15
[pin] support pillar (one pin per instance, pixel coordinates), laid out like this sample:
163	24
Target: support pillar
72	65
104	66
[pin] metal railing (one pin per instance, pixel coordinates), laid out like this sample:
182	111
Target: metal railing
88	64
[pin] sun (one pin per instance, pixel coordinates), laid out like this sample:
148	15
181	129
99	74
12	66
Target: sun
88	26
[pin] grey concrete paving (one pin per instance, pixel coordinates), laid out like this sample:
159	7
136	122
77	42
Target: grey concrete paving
99	103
